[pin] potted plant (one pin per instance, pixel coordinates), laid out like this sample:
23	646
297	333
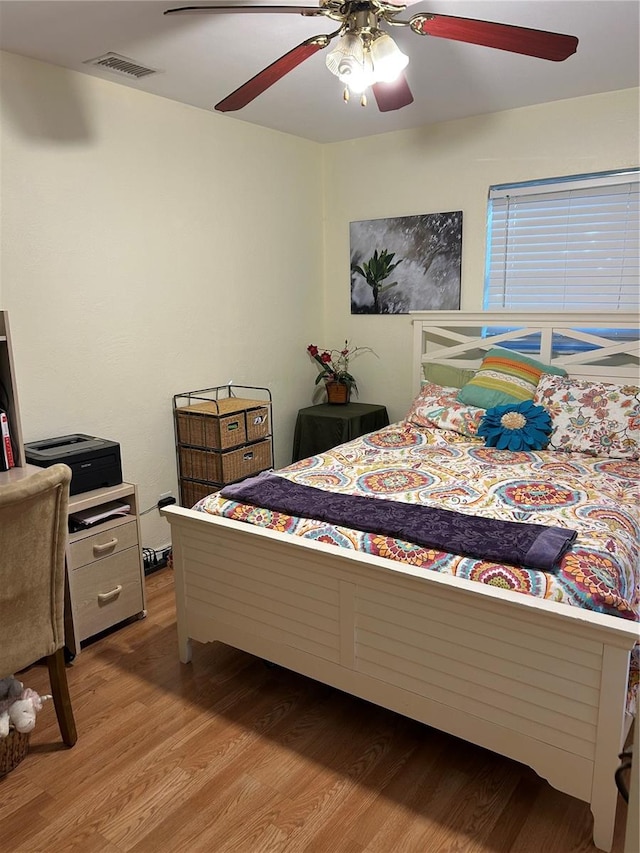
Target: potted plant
334	370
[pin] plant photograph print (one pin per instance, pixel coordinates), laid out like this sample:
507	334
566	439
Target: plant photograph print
406	263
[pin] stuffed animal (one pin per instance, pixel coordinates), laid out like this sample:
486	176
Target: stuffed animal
22	713
10	690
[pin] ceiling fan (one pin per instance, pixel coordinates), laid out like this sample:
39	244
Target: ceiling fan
366	56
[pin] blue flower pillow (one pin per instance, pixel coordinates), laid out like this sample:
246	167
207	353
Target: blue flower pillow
519	426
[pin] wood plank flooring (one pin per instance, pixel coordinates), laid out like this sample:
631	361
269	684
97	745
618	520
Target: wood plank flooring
229	755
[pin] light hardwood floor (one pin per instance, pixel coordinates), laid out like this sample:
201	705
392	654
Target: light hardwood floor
228	754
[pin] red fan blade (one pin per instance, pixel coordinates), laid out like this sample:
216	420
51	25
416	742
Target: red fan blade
539	43
271	74
392	96
247	7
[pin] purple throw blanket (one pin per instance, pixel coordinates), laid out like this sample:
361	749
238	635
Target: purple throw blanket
535	546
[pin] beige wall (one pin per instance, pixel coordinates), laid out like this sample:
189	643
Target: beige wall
150	248
450	166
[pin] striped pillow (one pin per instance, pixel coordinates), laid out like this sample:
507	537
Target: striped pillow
505	377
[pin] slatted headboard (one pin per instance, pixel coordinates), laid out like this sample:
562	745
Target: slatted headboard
462	338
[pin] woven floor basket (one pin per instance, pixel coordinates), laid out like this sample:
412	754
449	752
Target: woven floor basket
13	749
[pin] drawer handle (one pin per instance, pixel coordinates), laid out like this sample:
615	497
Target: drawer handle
103	597
102	549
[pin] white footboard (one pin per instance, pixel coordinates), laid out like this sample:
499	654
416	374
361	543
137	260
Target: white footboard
539	682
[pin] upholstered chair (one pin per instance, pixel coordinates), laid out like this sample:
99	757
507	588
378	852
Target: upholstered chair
33	535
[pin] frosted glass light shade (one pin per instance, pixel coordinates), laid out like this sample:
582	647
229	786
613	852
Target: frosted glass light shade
359	67
347	53
387	59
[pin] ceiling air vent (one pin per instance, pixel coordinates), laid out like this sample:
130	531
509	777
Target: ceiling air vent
117	64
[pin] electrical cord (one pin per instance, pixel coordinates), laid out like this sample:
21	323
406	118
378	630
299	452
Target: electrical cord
149	556
162	502
155	558
625	766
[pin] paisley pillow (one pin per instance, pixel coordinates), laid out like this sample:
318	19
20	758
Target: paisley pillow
437	406
598	418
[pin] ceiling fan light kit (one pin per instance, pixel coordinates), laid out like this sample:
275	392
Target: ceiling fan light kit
365	56
362	59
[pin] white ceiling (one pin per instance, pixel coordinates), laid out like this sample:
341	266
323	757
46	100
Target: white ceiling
204	58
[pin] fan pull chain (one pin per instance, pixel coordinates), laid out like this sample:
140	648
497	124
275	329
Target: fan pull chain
347	94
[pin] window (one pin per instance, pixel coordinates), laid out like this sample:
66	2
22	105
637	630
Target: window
564	244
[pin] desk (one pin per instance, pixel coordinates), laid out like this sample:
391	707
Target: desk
320	427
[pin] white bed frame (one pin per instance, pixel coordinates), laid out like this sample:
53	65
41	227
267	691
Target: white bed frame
537	681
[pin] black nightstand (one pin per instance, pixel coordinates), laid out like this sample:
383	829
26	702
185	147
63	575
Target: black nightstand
319	428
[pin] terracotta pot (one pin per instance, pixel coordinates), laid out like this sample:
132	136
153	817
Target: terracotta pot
338	393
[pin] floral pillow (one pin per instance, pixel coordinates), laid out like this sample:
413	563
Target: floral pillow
437	406
598	418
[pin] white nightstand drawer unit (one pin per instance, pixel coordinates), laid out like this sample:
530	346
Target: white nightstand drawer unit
105	543
106	592
105	572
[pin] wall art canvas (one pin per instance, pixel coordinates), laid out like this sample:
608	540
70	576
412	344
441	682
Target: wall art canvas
406	263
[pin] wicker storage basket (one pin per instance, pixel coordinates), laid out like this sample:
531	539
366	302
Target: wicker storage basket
211	424
13	749
217	467
221	424
257	423
192	491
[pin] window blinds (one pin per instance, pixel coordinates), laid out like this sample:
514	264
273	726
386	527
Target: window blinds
567	244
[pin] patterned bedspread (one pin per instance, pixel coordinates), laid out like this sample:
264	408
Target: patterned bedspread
598	497
595	496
